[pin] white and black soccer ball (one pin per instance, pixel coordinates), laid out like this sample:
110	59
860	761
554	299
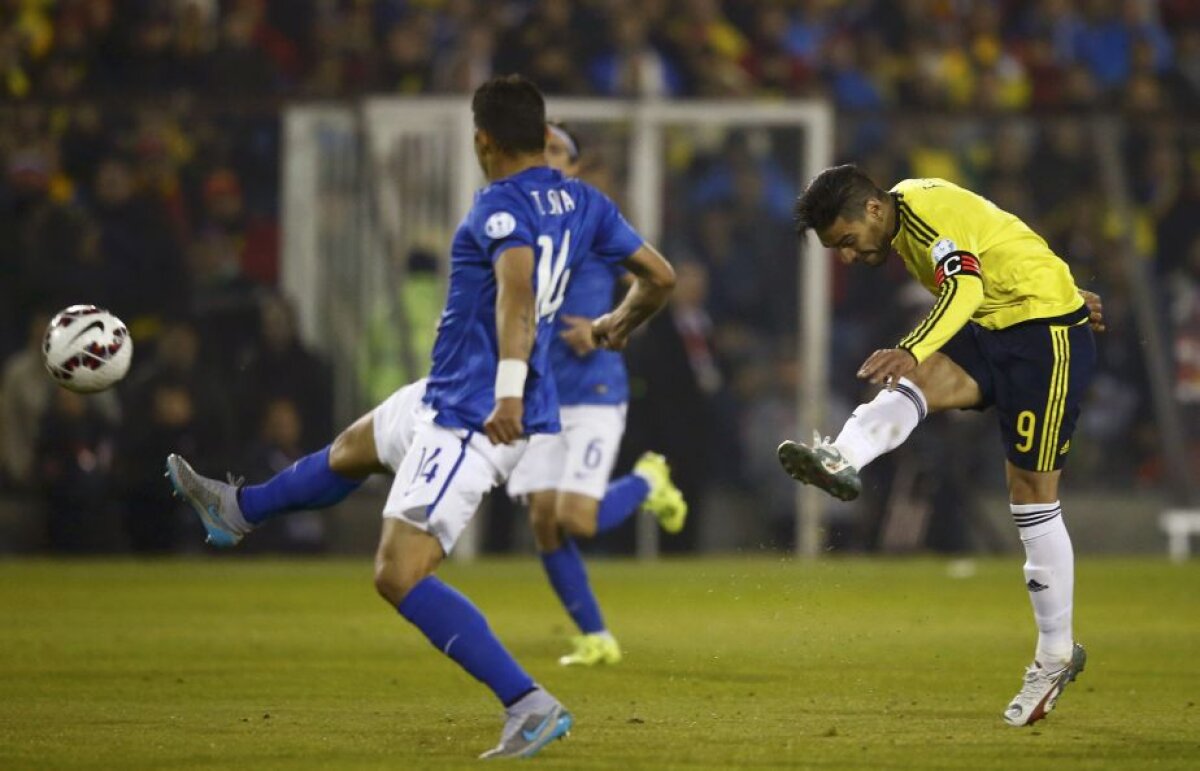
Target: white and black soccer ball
86	349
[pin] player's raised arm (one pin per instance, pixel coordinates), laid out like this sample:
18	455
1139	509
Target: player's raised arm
960	285
516	326
960	293
654	278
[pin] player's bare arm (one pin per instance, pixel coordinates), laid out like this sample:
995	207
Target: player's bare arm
961	293
516	326
654	279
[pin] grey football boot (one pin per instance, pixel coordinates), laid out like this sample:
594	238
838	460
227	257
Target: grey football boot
532	723
1041	688
821	465
215	502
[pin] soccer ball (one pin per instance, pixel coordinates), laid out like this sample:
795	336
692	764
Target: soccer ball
86	349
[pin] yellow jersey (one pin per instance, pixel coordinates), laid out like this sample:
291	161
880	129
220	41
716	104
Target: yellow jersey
984	264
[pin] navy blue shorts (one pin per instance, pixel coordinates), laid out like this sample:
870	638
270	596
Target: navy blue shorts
1035	374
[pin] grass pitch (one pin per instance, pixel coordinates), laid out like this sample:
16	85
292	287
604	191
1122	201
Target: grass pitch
881	664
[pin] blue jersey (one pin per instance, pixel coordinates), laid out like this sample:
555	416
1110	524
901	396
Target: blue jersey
599	377
565	222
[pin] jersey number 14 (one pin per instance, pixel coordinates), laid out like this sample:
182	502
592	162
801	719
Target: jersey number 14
552	275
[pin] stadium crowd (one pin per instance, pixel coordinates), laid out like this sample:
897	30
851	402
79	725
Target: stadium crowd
139	151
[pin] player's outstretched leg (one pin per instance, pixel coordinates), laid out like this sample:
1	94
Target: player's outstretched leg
404	567
875	428
229	510
215	502
821	465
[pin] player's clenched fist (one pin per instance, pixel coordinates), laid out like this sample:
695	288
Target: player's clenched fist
606	333
503	426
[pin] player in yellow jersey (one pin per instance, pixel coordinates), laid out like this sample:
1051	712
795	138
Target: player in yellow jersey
1009	329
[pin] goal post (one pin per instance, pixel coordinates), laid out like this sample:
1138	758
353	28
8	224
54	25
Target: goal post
416	174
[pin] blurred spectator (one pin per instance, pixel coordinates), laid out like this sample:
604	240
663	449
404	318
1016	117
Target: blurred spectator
673	378
179	408
280	367
25	391
73	469
467	63
994	56
1185	313
240	64
255	240
768	389
851	87
406	66
543	45
633	65
136	243
275	447
775	58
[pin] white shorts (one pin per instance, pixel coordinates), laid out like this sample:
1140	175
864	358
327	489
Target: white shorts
444	476
394	421
578	460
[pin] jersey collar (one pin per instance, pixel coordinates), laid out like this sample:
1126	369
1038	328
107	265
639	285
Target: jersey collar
535	173
896	199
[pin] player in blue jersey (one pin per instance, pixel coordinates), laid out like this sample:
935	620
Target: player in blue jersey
489	388
564	477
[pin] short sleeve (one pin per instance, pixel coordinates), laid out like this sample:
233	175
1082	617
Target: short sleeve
499	223
615	237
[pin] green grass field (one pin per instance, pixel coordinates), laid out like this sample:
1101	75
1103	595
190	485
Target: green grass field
881	664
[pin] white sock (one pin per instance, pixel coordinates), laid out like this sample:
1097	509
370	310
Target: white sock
882	424
537	700
1049	577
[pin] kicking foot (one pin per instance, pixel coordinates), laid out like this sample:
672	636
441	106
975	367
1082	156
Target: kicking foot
592	649
532	723
821	465
214	502
665	500
1042	688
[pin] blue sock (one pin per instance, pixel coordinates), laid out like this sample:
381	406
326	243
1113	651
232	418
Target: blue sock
308	483
456	628
621	499
568	576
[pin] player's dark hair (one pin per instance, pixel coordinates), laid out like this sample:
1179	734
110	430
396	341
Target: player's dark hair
837	191
511	109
